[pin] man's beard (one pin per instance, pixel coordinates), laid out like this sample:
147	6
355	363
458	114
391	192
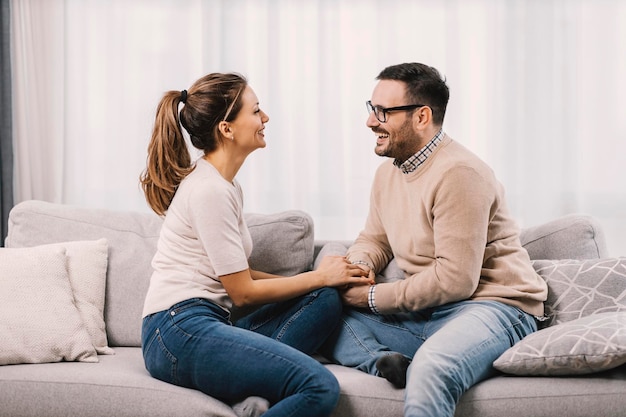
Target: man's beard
400	145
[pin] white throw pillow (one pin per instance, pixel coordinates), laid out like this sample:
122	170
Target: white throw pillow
40	322
87	268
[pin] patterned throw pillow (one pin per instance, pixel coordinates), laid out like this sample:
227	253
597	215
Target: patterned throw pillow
578	288
589	344
586	329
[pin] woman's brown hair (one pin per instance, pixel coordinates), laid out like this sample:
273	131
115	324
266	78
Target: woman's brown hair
213	98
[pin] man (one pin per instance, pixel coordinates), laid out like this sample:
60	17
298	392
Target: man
469	292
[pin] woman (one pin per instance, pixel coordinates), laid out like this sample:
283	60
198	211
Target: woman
201	268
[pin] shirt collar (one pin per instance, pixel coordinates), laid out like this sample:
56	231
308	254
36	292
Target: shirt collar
420	157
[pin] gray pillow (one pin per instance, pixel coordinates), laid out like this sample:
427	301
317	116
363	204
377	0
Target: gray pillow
329	249
390	273
589	344
578	288
575	236
283	242
282	245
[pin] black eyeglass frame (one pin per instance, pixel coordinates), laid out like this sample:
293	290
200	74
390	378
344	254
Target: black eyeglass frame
378	109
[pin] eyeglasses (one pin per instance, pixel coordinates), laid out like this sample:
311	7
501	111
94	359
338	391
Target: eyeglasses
381	112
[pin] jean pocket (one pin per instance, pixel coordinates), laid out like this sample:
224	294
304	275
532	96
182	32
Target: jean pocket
159	361
524	325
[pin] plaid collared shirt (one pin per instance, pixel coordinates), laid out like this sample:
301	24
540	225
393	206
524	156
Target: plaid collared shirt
420	157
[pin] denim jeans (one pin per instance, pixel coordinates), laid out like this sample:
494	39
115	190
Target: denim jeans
194	345
453	347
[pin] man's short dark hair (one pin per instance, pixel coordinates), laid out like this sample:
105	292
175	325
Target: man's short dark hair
424	85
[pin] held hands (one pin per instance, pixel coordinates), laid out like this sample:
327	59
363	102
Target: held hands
357	296
337	271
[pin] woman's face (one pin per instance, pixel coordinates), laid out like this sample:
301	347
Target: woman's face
249	125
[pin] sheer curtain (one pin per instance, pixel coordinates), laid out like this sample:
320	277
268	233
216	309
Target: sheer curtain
537	90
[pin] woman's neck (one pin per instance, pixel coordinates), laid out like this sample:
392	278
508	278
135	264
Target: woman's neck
226	162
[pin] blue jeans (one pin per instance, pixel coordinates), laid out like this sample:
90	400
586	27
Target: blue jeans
194	345
452	346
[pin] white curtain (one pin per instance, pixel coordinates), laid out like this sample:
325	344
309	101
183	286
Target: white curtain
538	90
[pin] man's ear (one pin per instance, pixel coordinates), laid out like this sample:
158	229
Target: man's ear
422	118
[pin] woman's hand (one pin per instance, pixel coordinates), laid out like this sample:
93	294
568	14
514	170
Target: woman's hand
337	271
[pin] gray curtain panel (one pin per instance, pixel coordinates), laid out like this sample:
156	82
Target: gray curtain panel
6	137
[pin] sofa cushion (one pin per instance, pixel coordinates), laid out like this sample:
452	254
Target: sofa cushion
365	395
40	322
118	385
283	244
589	344
599	394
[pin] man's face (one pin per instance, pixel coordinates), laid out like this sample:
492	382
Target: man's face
395	138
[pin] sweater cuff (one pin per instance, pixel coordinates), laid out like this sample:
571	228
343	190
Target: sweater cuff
369	265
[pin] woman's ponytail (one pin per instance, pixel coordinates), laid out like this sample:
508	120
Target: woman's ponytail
168	160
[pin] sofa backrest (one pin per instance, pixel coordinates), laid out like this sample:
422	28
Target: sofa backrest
283	244
132	239
575	236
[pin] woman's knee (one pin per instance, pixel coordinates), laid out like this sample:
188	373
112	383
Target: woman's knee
325	391
327	303
330	296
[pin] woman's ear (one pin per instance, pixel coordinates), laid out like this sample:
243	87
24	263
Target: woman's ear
225	129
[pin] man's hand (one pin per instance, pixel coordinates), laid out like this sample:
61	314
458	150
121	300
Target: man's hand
355	296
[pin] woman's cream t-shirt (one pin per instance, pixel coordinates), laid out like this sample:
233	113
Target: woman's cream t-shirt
204	236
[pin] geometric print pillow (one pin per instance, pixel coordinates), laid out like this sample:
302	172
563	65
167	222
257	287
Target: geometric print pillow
590	344
579	288
586	326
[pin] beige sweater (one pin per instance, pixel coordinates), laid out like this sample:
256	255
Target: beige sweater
448	226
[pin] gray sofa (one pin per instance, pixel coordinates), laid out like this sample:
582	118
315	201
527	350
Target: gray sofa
118	384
